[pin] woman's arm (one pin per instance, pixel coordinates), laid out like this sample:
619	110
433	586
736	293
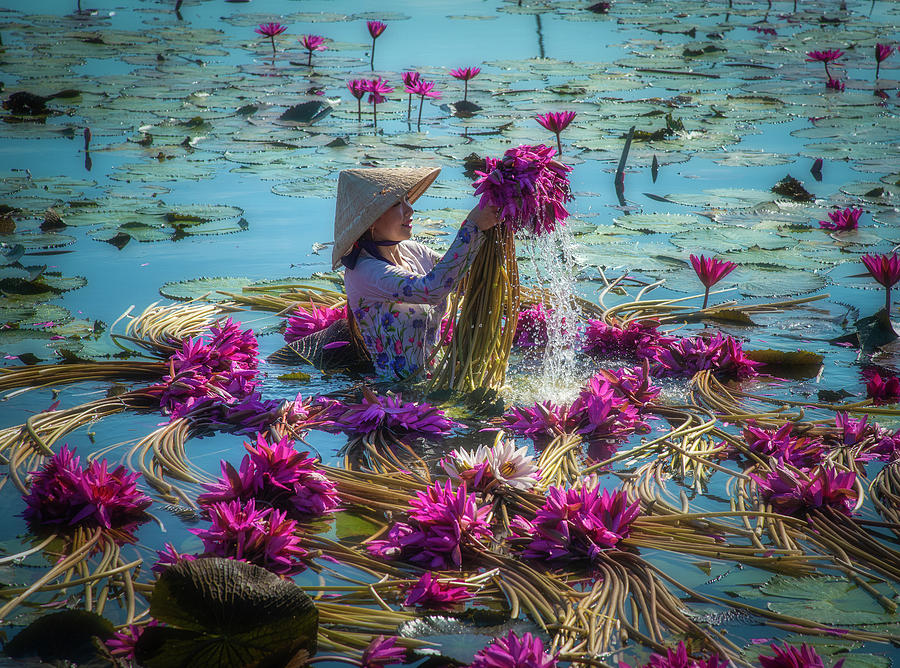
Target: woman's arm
380	281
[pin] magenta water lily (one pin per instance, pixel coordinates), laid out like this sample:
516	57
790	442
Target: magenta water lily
710	271
783	446
824	57
388	412
270	30
842	220
886	270
556	122
511	651
678	657
791	656
312	43
723	355
358	88
431	592
375	30
278	476
303	323
636	339
265	537
529	187
576	523
882	53
443	523
377	89
382	651
65	496
465	74
795	492
882	389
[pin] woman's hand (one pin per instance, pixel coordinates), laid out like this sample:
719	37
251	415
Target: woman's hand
485	218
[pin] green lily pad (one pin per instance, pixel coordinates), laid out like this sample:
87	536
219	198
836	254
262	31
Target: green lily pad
203	287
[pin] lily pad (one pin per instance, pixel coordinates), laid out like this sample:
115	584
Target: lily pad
203	287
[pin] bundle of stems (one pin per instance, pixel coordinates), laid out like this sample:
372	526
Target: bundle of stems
382	452
487	303
558	462
46	375
161	329
885	494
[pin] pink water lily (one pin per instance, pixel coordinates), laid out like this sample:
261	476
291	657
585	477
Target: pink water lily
312	43
423	89
638	339
430	592
511	651
882	53
723	355
382	651
556	122
388	412
824	57
531	329
270	30
358	88
795	492
409	80
791	656
882	390
710	271
377	89
375	30
783	446
886	270
842	220
528	186
464	74
303	323
679	658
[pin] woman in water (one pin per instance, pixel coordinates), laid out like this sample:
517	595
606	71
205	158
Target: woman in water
397	289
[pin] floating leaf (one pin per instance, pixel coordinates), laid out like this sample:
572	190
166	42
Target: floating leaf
200	287
65	636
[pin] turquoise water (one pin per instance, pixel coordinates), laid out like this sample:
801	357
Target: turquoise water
434	37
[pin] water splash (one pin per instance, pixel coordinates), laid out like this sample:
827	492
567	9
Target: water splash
559	377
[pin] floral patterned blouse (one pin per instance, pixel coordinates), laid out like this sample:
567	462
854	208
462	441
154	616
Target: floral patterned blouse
399	309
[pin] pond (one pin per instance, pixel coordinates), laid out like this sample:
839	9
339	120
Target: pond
196	180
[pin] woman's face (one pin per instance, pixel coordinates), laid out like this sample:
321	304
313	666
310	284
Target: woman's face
395	224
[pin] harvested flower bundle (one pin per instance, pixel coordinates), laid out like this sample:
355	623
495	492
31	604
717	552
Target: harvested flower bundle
530	190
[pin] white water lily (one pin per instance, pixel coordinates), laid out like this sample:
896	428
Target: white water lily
461	460
513	467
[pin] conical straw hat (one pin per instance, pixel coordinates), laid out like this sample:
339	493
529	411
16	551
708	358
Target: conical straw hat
364	194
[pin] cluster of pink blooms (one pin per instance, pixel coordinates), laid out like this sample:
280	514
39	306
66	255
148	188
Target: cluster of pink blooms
798	451
632	383
529	187
576	523
265	537
511	651
221	370
635	339
382	651
442	523
880	443
791	656
724	355
387	412
429	592
531	330
598	413
303	323
679	658
882	390
842	220
64	494
794	492
277	476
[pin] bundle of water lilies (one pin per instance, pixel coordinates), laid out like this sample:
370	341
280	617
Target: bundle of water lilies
530	190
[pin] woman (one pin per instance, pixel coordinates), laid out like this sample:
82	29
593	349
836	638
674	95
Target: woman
397	289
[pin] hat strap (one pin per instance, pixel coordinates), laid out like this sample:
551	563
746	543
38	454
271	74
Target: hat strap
371	247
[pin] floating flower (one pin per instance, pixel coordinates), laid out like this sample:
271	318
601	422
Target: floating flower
842	220
835	84
852	431
783	446
763	30
443	523
465	74
631	383
685	357
303	323
270	30
278	476
636	339
797	493
710	271
429	592
263	537
576	523
487	468
358	88
64	494
882	390
377	90
382	652
556	122
824	57
882	53
122	643
169	556
886	270
512	651
388	412
375	30
678	658
312	43
529	187
791	656
531	329
423	89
